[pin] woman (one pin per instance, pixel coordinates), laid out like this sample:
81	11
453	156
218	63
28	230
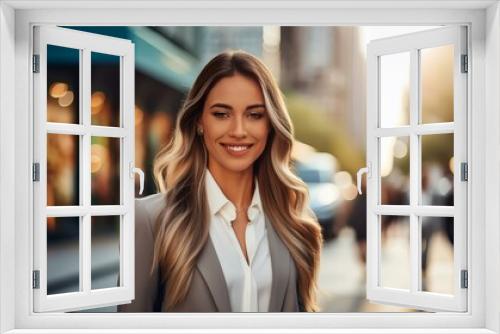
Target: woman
231	229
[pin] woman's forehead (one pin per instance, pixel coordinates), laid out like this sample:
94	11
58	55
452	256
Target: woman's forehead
236	89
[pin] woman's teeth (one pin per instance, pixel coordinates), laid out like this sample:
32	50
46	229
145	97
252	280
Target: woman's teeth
237	148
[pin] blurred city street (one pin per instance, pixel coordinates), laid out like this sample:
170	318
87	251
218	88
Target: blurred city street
342	285
322	74
342	273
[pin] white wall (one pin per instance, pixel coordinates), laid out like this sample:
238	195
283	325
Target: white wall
7	178
492	164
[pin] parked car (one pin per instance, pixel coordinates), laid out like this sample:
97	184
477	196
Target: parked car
318	172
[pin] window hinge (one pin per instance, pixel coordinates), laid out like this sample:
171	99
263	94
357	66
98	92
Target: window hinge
464	279
36	279
465	64
36	63
464	171
36	171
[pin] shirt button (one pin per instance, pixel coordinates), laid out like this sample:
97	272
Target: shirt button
228	212
252	213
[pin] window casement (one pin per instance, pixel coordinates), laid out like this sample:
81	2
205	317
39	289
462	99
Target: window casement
82	130
476	309
390	122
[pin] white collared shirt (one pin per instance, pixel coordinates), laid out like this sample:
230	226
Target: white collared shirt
249	285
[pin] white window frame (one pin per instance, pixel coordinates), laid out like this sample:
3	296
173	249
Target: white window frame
85	43
16	21
411	44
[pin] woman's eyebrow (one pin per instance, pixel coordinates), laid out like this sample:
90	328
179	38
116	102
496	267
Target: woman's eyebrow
226	106
253	106
221	105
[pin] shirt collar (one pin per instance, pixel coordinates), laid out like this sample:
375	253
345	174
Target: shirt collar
256	205
218	202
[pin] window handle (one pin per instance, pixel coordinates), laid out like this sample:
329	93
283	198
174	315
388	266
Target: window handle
135	170
362	171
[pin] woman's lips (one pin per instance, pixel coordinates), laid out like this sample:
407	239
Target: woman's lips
237	150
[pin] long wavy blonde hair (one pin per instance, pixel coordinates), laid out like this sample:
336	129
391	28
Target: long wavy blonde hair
182	228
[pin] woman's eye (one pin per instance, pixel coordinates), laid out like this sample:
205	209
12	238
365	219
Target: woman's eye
220	114
256	115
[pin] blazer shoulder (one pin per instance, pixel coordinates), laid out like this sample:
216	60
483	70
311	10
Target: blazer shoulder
149	208
148	290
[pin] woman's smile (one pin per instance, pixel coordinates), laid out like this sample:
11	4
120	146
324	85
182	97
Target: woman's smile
237	150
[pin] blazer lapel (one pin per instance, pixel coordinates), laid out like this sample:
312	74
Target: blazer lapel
211	270
280	263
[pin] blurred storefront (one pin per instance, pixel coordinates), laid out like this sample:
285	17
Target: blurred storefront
166	63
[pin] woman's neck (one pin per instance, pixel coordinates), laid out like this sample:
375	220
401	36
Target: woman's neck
236	186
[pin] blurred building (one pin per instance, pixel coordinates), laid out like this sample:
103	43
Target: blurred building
326	65
216	39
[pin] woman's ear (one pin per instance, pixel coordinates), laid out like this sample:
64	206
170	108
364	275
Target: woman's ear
199	128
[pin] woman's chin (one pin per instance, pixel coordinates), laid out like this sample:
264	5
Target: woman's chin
236	167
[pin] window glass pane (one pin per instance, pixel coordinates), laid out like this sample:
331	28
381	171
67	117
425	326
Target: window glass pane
105	251
63	254
437	170
395	252
436	73
63	81
105	86
63	170
394	170
105	168
394	90
437	254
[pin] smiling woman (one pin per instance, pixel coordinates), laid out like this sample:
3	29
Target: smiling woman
231	229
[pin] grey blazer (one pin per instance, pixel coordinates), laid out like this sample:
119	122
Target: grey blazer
208	291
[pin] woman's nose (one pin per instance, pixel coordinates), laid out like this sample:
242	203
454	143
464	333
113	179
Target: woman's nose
238	127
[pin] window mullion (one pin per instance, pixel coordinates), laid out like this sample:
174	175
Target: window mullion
127	155
124	177
78	129
419	210
414	171
40	155
85	236
460	155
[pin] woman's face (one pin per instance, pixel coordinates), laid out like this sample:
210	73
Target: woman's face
235	124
